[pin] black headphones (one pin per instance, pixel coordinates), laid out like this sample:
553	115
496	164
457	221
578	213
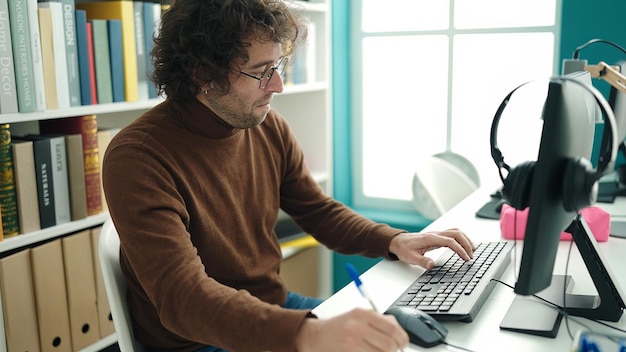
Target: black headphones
580	180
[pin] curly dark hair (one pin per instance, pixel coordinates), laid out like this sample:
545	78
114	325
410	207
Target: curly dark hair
199	39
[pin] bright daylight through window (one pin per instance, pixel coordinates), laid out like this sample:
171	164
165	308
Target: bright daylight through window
428	77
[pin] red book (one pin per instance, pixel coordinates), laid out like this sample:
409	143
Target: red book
87	126
92	65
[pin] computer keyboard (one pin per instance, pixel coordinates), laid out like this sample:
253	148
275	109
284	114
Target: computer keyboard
454	289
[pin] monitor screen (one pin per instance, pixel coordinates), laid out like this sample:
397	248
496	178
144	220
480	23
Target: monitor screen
568	132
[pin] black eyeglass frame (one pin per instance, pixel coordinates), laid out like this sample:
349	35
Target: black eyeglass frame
269	73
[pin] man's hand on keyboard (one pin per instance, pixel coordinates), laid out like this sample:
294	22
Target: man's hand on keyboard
411	247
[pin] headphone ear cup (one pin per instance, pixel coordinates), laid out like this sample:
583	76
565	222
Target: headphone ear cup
516	188
580	188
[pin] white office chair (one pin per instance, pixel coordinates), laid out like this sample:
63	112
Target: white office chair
438	185
115	285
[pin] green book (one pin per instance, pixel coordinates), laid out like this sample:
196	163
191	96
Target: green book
104	86
22	55
8	194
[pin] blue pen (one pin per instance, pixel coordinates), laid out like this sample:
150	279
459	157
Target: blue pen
354	275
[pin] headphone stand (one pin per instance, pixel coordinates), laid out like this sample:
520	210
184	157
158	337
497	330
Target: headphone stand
607	305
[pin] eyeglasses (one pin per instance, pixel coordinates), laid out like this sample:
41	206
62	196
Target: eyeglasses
265	77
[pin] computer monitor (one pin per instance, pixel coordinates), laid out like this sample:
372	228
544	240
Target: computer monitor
568	133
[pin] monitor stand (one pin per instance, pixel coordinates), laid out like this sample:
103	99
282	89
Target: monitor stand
607	305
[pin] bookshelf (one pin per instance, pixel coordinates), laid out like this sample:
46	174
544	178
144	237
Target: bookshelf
306	105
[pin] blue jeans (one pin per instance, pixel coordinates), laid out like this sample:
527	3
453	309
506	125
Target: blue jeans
294	301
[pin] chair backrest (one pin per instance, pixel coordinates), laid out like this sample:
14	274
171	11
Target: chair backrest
115	285
438	185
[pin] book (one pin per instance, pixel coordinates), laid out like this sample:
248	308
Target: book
47	57
87	126
22	56
76	172
140	44
35	42
43	176
60	54
104	87
71	51
25	185
8	88
8	194
120	10
92	64
116	59
82	48
104	138
151	15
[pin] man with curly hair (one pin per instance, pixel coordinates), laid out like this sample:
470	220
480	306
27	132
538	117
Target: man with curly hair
195	184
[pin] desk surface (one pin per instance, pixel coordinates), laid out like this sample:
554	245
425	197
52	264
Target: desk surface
388	279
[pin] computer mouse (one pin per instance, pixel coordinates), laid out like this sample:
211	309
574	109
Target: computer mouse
423	329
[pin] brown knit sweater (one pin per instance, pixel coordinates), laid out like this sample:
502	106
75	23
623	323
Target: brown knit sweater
195	202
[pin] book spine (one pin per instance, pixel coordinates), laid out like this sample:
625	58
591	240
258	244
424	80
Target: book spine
102	60
140	51
22	56
35	41
92	63
92	164
8	195
71	51
82	47
26	186
60	177
47	55
151	12
60	54
116	60
76	172
8	92
45	190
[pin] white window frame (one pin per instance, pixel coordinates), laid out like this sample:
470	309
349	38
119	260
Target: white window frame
357	35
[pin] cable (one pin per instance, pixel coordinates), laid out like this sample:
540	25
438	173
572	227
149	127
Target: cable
457	347
564	311
596	40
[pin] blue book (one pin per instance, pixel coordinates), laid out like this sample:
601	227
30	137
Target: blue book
148	34
83	57
117	60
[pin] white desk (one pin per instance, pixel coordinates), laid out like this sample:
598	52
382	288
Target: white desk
388	279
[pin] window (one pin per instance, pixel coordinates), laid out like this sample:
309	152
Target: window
428	76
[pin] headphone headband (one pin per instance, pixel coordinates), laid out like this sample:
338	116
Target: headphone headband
607	156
